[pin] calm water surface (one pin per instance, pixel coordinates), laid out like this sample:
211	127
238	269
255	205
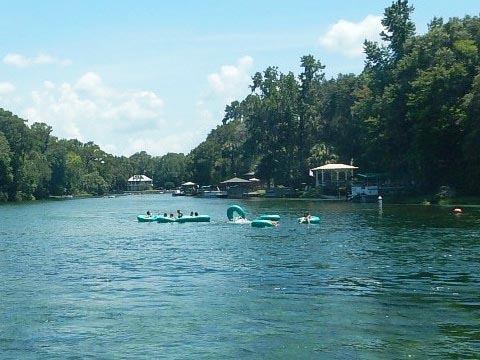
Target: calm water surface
84	279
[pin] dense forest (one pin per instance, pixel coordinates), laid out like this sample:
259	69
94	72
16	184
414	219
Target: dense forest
34	164
413	113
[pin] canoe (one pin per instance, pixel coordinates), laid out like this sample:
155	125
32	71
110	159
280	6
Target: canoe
260	223
269	217
313	220
145	218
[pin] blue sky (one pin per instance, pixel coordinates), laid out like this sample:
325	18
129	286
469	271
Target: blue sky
156	75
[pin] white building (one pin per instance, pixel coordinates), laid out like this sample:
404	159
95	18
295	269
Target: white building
333	174
140	183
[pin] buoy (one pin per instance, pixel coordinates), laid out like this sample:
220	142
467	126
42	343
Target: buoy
457	211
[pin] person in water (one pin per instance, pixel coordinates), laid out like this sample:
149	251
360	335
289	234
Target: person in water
149	214
306	217
179	214
191	213
165	215
171	216
196	213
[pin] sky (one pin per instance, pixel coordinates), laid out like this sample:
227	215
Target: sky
155	76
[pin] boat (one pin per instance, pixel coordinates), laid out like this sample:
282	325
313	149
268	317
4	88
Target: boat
211	192
178	193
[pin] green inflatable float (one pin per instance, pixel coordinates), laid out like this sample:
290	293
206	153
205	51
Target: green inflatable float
264	220
312	220
198	218
269	217
260	223
147	218
183	219
235	209
164	219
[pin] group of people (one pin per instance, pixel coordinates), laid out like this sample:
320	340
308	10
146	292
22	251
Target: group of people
179	214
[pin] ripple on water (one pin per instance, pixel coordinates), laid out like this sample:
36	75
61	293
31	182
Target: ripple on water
84	278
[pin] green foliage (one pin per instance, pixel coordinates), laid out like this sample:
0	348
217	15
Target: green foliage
170	168
413	113
169	185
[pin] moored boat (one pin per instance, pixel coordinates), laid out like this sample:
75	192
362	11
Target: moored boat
211	192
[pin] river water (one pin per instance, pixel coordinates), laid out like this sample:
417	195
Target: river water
83	279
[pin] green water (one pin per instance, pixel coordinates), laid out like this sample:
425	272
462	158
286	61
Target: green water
83	279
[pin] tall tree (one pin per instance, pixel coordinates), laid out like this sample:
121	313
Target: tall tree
399	27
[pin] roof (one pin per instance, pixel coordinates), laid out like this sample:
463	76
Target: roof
335	167
235	180
254	179
139	178
189	183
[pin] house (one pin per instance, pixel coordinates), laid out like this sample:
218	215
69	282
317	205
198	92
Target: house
236	187
140	183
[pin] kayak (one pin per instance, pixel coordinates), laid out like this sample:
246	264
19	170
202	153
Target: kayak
260	223
269	217
146	218
313	220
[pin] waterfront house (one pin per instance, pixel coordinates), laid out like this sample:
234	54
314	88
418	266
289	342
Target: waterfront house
140	183
333	175
236	187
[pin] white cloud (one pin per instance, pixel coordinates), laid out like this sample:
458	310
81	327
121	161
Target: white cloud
229	83
231	80
121	122
347	37
224	86
22	61
6	87
91	84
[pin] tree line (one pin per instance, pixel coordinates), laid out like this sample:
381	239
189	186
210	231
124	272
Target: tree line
35	165
413	113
